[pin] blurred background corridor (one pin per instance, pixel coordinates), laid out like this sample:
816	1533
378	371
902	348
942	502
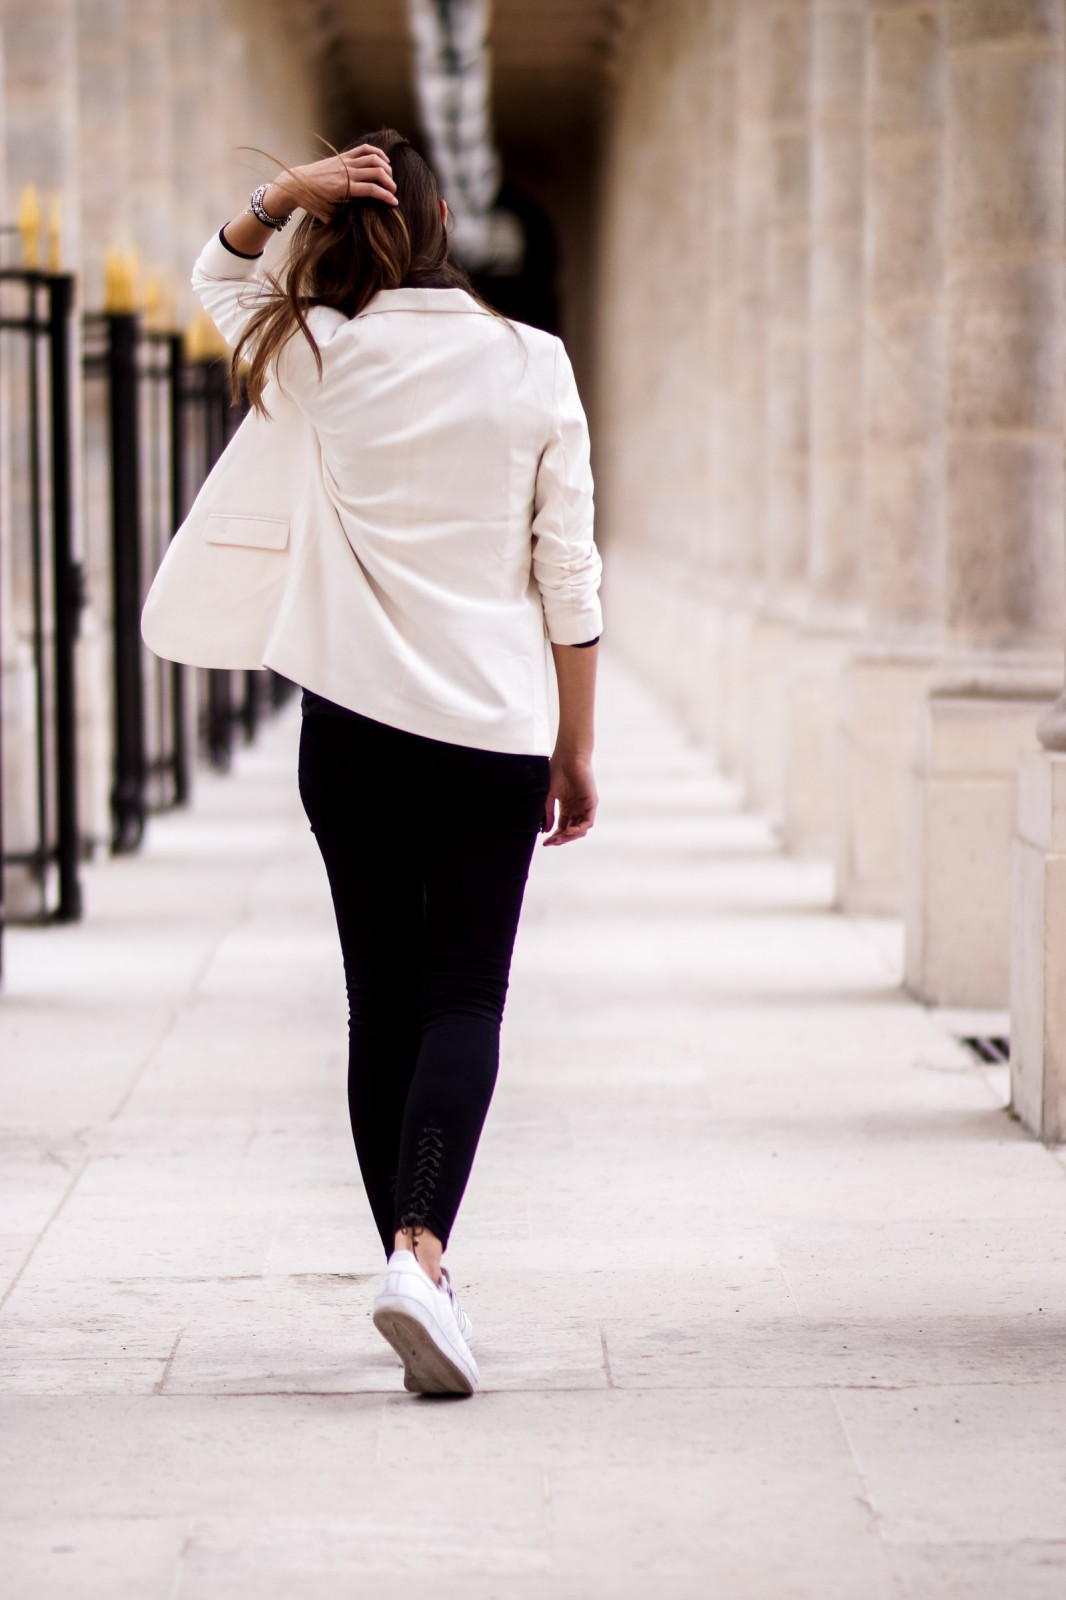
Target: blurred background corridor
807	256
808	259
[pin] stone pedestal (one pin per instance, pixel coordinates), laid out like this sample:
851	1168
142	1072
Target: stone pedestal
880	696
811	783
963	798
1038	953
733	720
702	688
769	641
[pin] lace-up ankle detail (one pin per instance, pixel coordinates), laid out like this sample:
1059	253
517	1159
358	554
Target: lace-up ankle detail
424	1182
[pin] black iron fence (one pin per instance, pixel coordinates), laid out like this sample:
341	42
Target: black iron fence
230	702
168	420
42	588
137	378
158	421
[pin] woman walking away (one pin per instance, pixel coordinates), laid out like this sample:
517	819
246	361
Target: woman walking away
402	518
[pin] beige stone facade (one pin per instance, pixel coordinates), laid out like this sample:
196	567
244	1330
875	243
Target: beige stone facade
881	623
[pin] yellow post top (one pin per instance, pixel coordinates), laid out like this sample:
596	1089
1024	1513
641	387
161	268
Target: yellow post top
203	342
55	235
29	226
153	304
120	280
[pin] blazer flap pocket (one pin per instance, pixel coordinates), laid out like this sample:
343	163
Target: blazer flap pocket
259	533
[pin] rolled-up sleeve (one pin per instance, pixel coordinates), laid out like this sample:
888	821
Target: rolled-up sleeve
566	563
230	287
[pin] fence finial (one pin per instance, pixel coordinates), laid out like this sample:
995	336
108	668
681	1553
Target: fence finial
120	280
55	235
29	226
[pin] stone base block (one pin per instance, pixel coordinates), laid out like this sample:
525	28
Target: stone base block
1038	949
813	672
769	643
638	619
691	649
672	634
879	702
963	797
734	719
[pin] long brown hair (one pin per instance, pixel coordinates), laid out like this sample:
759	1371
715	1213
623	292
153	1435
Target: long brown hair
366	245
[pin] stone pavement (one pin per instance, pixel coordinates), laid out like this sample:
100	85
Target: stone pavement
770	1291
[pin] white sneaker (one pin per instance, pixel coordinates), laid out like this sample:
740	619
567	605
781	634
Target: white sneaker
417	1317
463	1322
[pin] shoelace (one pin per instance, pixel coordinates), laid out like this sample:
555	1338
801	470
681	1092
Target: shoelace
462	1321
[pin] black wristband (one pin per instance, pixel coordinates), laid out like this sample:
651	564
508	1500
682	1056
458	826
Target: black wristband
224	242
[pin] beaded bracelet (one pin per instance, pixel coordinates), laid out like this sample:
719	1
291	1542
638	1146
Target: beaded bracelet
261	214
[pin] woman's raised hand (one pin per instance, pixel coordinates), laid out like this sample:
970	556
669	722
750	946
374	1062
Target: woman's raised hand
364	173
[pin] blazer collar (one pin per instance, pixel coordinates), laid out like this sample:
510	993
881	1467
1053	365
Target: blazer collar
451	300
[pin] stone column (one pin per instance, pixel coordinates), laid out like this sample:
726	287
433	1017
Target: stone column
831	612
1005	569
744	567
686	203
723	360
190	144
654	245
788	302
41	85
152	174
787	438
105	139
902	516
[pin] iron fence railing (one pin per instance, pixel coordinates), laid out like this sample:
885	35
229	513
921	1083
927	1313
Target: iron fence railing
158	421
231	703
169	418
36	324
142	374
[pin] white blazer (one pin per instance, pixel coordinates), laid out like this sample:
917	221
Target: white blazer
401	534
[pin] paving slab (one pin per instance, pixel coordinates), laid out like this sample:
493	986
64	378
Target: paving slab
769	1288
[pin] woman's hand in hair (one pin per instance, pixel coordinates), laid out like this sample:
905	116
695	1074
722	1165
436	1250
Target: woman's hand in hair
364	173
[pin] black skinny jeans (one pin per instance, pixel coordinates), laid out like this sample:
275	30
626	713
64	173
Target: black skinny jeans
427	848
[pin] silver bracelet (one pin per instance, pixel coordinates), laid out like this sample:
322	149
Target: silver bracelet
261	214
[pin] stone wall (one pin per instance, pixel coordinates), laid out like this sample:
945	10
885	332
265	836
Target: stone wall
830	427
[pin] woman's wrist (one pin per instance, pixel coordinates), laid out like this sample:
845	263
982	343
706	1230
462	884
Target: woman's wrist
277	201
573	751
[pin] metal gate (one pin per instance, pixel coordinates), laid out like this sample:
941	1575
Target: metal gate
141	401
168	419
44	585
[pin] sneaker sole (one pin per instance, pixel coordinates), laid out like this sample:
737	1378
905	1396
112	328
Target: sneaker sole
427	1369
